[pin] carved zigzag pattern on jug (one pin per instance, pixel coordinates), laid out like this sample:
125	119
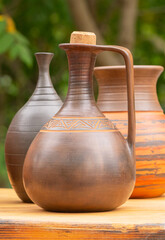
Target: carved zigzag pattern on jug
78	124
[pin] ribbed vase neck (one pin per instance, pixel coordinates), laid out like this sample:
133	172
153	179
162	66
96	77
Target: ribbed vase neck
43	61
44	91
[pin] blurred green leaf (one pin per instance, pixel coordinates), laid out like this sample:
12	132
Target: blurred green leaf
6	41
25	55
20	38
2	27
14	51
5	81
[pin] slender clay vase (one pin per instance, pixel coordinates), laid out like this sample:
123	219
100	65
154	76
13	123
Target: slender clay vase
79	161
150	120
28	121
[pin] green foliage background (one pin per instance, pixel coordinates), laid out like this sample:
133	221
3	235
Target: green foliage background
40	26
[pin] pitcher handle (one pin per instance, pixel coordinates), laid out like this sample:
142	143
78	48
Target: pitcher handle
130	90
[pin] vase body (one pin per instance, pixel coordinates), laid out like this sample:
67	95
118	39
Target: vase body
79	161
150	122
27	122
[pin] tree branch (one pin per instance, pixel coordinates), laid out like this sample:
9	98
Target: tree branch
127	23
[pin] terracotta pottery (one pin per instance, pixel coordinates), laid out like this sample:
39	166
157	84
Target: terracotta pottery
28	121
79	161
150	120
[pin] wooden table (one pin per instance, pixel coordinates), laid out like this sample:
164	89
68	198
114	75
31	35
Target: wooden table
136	219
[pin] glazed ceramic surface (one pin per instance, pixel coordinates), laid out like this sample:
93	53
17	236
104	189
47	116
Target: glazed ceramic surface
28	121
79	161
150	122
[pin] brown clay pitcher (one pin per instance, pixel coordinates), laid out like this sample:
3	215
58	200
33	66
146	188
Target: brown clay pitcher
150	122
79	161
28	121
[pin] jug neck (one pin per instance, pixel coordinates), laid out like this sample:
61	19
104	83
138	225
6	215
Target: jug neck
113	91
80	99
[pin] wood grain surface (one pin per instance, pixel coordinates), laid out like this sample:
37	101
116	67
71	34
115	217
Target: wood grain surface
136	219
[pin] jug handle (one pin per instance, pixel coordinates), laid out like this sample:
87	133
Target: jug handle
130	90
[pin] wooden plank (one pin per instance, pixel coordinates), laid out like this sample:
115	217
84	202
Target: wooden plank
136	219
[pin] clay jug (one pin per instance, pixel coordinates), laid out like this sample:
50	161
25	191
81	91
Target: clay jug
79	161
150	122
28	121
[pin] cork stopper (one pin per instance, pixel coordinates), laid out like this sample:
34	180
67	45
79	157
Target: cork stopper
83	37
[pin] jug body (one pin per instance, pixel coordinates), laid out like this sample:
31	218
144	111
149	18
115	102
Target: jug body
79	161
87	168
27	122
150	122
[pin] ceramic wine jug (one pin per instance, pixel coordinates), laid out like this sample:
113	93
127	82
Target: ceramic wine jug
79	161
150	122
28	121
